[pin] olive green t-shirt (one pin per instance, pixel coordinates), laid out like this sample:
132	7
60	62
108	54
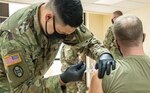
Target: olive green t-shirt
132	75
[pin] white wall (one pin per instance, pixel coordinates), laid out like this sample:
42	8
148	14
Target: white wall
98	24
144	15
13	7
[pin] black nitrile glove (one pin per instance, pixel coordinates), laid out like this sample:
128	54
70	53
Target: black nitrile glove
73	73
104	64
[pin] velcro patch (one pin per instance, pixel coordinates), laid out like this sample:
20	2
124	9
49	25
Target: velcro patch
12	59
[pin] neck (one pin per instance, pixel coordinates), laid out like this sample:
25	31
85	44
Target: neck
127	51
42	13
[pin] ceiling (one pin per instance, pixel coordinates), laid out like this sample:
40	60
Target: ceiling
91	6
123	5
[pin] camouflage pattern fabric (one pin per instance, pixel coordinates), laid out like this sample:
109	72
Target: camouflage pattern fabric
70	56
26	53
82	87
109	43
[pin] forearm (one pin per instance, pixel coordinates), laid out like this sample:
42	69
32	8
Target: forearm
84	40
96	84
95	49
40	85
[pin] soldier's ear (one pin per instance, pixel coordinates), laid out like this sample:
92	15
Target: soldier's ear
144	35
48	16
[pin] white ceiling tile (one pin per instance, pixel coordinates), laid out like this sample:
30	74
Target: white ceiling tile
141	1
129	4
107	2
25	1
88	1
102	8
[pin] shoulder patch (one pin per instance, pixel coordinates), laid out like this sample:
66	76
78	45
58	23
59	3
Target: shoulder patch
12	59
18	71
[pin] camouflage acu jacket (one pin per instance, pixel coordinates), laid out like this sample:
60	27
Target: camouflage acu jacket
26	53
109	43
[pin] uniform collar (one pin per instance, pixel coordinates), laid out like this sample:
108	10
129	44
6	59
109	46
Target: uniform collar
136	56
39	33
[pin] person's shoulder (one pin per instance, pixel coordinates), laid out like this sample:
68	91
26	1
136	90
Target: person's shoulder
121	63
116	75
125	64
122	67
110	27
115	78
136	58
144	57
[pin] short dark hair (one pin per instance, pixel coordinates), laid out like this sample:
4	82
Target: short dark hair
69	11
128	29
118	12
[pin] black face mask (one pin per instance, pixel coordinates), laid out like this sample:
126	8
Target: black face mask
112	21
55	34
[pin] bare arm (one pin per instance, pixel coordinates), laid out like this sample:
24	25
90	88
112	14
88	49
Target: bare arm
96	84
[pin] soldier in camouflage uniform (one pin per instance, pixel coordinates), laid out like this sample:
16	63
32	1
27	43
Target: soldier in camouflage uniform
70	56
109	37
30	40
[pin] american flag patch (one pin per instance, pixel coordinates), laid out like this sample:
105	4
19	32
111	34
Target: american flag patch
12	59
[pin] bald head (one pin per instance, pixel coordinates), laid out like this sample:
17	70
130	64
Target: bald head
128	29
115	15
118	12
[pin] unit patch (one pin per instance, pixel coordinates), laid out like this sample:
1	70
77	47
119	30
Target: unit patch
12	59
18	71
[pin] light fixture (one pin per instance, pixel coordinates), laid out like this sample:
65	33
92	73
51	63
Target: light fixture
107	2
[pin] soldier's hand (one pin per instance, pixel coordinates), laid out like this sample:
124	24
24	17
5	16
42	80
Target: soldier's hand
73	73
104	65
